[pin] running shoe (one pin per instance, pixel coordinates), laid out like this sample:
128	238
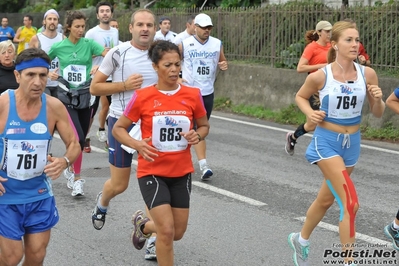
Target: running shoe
138	237
97	216
206	173
87	148
150	252
393	234
289	144
300	256
78	188
70	176
102	135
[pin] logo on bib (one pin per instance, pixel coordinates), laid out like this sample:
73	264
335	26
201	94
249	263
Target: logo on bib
26	146
345	89
169	121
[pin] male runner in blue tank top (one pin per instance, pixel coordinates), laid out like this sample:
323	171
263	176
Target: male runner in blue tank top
27	206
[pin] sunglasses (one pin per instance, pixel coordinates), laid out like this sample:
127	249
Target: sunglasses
205	28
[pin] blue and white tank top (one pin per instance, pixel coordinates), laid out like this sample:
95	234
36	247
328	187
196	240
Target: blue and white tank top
342	101
23	151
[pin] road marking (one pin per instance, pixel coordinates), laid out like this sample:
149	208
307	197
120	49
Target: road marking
359	236
229	194
285	130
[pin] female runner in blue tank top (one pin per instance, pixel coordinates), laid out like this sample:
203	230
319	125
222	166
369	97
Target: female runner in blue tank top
335	147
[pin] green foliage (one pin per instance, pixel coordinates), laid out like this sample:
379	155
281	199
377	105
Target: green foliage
222	104
11	6
239	3
254	111
176	4
289	115
387	132
42	6
290	57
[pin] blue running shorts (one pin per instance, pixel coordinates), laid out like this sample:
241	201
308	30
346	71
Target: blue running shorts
117	156
17	220
326	144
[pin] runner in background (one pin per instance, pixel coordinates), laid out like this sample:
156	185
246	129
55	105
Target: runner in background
107	36
25	33
75	62
314	57
202	56
44	40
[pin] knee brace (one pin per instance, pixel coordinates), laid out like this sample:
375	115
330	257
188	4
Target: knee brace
351	201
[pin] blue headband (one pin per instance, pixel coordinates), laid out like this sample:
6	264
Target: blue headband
35	62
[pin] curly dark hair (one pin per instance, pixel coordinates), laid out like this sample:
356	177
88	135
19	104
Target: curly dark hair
158	48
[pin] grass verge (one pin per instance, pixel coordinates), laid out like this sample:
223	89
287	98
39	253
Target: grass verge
293	116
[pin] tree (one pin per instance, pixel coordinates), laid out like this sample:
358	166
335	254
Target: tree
11	6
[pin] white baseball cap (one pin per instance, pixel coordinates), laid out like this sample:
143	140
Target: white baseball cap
203	20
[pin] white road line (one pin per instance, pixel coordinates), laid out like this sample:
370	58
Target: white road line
366	238
229	194
285	130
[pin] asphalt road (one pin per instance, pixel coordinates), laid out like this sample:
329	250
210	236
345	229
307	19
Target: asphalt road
259	194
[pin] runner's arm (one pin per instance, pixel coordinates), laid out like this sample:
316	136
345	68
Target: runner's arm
16	38
99	85
34	42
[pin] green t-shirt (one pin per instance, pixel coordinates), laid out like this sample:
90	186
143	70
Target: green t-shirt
75	59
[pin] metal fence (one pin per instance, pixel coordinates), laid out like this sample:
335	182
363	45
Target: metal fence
273	35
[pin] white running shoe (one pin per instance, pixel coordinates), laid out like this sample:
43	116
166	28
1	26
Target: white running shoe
78	188
206	172
150	252
102	136
70	176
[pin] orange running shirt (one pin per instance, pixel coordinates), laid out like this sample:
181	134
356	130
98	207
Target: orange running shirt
162	118
316	53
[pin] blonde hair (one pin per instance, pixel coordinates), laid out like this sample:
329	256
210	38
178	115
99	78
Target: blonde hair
4	46
336	32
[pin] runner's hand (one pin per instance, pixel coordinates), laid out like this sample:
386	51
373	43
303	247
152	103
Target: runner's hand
147	151
191	137
134	82
55	166
317	116
53	75
2	189
375	91
223	65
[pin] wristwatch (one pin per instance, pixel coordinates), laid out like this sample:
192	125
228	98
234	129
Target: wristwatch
68	162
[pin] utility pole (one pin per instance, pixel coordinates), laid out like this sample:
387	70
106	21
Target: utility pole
143	3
